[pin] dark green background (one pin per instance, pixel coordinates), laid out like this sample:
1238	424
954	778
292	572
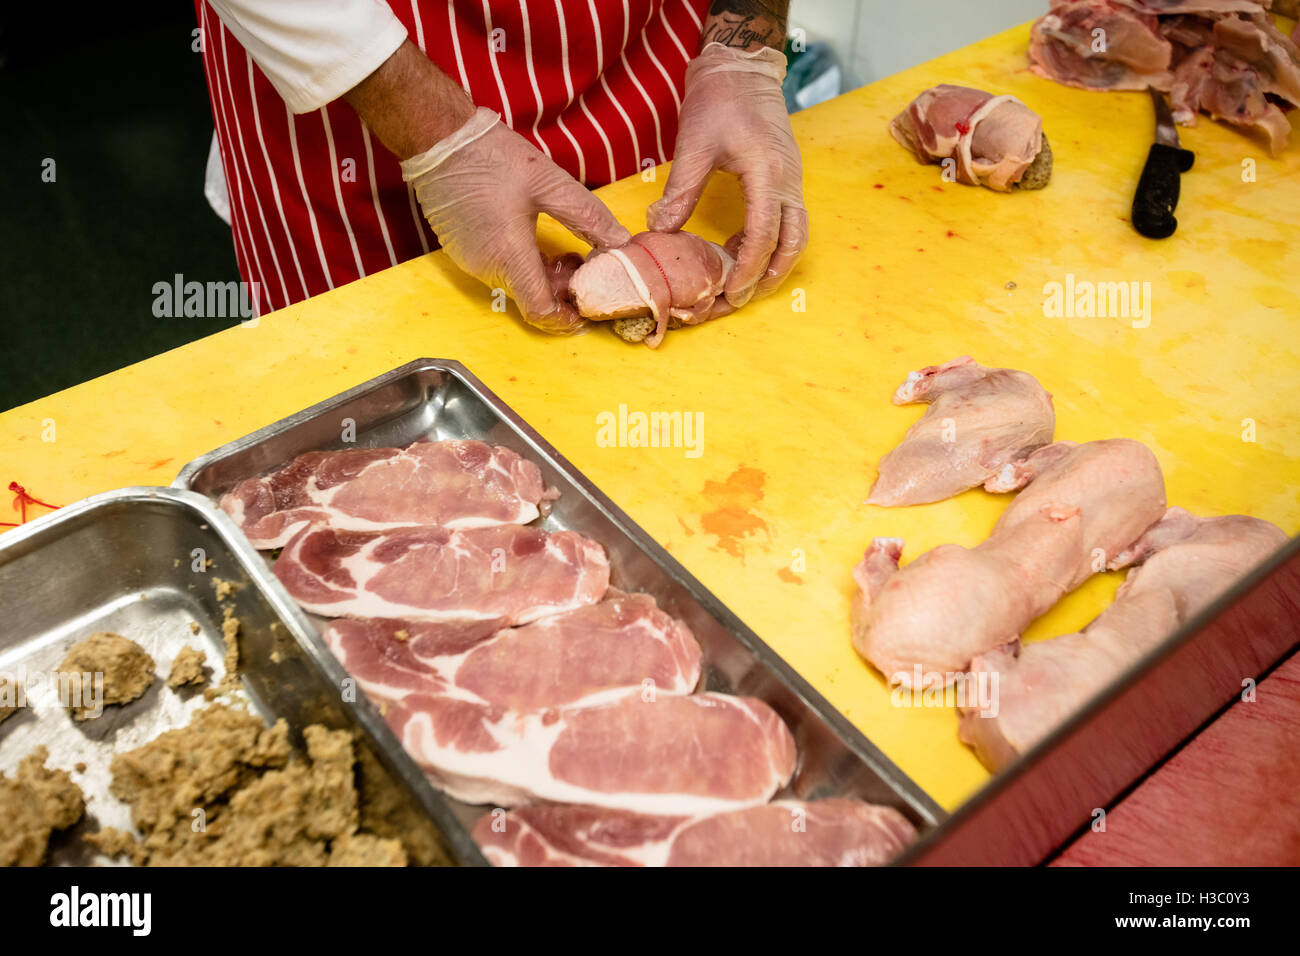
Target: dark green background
119	102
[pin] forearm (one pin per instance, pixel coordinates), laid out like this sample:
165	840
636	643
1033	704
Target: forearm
409	103
746	24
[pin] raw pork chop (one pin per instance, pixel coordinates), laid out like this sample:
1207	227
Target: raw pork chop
833	832
448	484
1189	562
993	139
672	754
664	275
507	574
389	657
580	656
1084	504
979	419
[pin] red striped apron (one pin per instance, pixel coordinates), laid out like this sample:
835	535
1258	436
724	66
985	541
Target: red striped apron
316	201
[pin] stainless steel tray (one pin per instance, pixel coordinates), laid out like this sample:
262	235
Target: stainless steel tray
431	398
123	561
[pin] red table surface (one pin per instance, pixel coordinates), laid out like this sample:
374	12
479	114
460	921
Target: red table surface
1229	797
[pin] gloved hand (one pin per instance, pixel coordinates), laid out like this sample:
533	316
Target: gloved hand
734	119
481	189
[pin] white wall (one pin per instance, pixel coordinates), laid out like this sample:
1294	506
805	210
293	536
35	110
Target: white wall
874	38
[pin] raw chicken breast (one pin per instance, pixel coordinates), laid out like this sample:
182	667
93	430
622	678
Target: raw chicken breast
979	420
922	624
1189	562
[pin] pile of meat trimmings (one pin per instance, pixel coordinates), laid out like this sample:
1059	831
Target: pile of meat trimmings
1223	57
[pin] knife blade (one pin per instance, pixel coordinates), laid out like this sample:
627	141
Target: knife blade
1158	187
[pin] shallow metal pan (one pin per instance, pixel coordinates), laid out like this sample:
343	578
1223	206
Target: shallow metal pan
134	561
437	399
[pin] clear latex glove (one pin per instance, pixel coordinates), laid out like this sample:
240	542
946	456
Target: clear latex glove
734	119
482	188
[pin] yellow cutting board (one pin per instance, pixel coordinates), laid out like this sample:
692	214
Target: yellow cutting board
903	271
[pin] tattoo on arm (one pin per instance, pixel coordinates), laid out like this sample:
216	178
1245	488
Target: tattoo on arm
746	24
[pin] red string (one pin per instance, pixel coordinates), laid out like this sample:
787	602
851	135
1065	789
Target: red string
21	500
667	284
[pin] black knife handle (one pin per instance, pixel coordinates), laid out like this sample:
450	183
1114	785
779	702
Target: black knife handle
1157	191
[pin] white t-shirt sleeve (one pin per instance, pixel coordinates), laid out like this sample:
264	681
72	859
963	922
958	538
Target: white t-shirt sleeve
313	52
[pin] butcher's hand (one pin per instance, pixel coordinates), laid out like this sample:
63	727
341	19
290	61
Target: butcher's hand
734	119
481	189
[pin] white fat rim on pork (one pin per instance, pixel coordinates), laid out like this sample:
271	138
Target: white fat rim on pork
728	263
964	140
526	740
642	290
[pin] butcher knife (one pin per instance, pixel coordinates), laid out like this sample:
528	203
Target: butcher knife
1157	190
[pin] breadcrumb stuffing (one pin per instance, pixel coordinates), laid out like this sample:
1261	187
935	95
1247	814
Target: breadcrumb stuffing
187	668
634	329
226	791
8	699
126	668
35	803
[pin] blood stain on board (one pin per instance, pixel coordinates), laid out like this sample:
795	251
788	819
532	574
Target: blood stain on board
731	521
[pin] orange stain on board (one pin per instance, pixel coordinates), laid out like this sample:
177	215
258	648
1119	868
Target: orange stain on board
731	521
788	576
159	464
